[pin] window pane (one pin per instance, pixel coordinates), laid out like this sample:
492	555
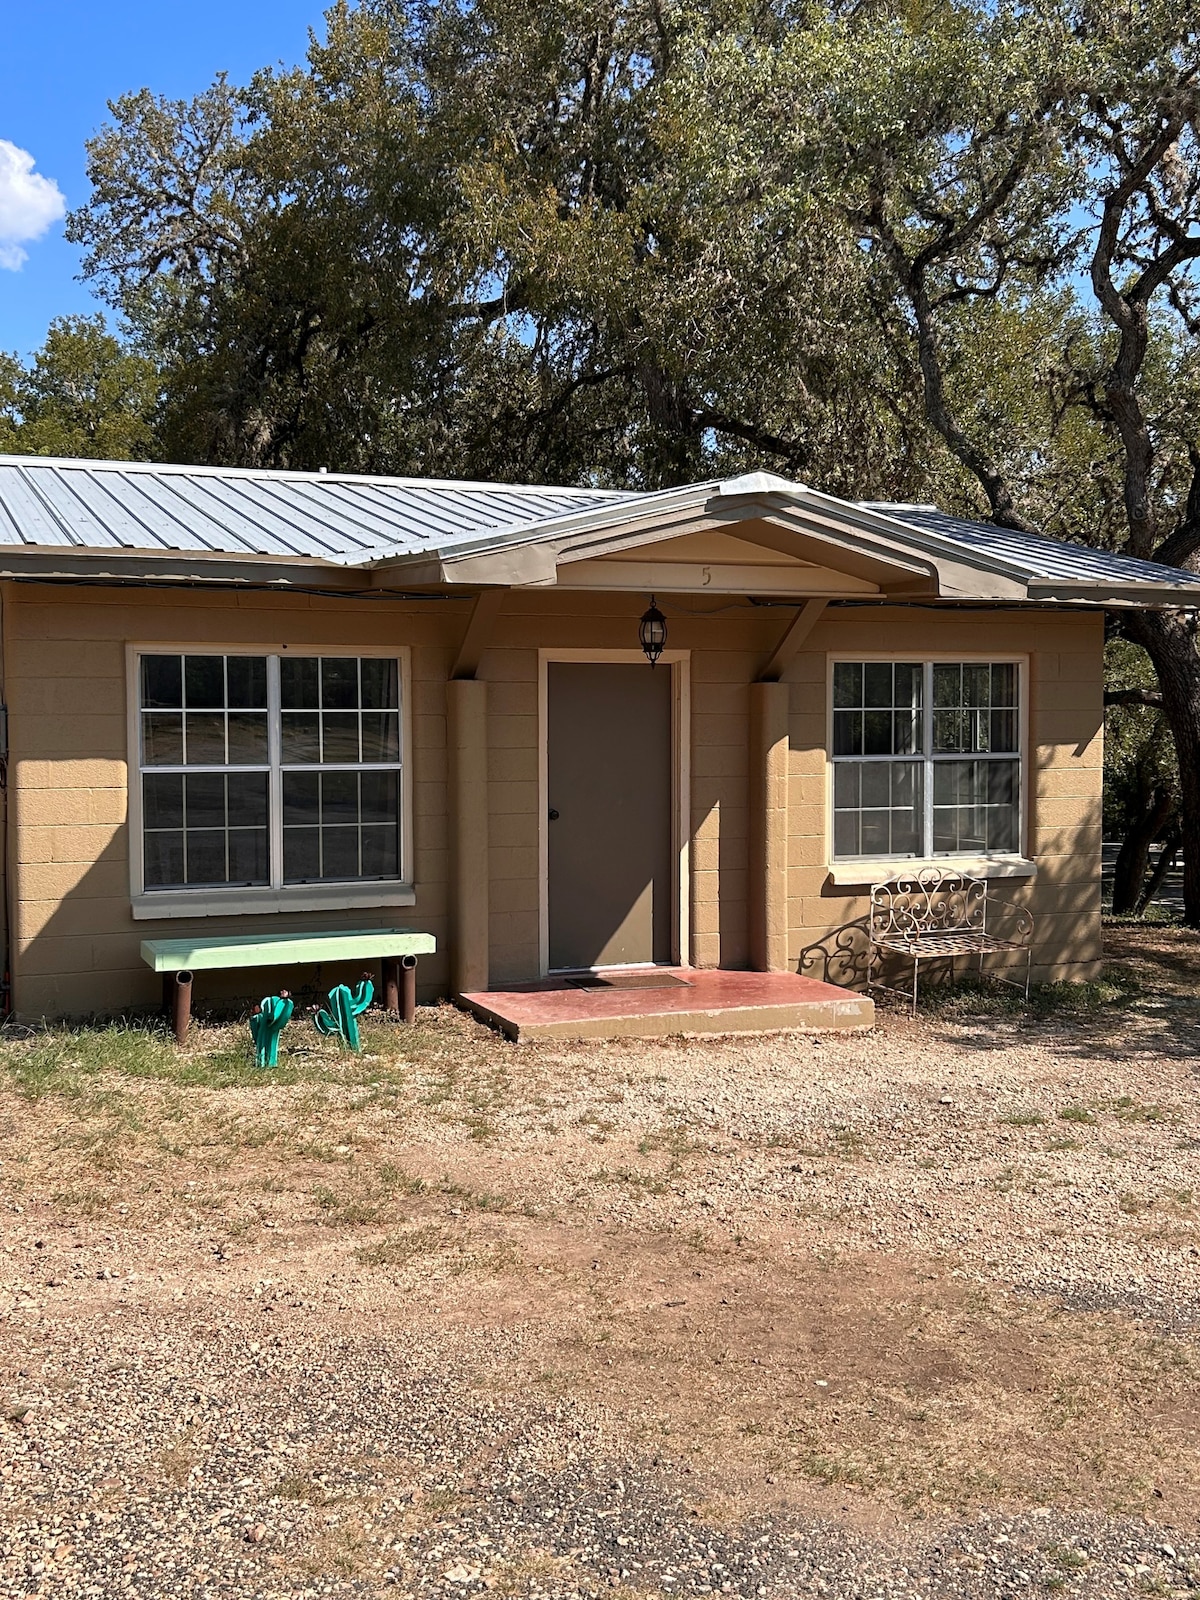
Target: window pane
248	855
949	731
163	860
877	683
947	685
247	681
380	792
247	738
247	799
1003	730
299	684
381	852
877	733
301	854
877	708
1004	683
847	733
339	852
204	681
162	681
878	808
339	797
876	783
205	738
301	799
339	683
845	834
847	683
339	736
162	739
977	684
205	856
204	800
300	738
980	710
381	736
847	785
380	684
975	807
162	800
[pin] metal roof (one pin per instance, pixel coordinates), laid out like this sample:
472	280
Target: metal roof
1049	559
49	507
48	503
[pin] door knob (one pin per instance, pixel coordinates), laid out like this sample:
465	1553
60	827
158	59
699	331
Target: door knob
552	814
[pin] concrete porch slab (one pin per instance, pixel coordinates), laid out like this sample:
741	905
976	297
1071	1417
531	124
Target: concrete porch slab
707	1001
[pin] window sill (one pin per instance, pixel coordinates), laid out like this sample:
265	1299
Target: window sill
259	902
854	873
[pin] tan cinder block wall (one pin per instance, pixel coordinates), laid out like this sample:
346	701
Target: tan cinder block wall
75	943
1063	777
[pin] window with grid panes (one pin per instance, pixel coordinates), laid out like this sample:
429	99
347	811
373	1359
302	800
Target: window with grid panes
926	758
269	770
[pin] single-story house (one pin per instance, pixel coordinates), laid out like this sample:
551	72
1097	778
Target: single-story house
246	700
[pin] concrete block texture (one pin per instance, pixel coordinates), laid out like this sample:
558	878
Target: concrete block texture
759	793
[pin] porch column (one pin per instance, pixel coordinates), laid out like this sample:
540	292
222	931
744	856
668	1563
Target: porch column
768	879
466	738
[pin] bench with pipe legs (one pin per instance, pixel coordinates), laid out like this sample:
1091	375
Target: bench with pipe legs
178	959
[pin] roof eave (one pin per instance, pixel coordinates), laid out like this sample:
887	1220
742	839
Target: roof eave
1136	593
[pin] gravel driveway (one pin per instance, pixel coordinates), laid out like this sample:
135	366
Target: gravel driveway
911	1314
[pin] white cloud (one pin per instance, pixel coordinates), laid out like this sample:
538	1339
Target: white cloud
29	203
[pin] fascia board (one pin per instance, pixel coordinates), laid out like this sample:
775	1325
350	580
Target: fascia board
127	566
917	539
1103	591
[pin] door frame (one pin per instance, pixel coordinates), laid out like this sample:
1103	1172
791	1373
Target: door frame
679	663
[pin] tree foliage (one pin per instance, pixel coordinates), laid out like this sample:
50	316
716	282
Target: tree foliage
945	249
83	394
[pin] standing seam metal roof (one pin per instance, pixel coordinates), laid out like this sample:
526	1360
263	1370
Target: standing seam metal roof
352	520
1050	559
324	517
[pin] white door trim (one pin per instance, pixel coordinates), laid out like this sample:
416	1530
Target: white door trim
679	662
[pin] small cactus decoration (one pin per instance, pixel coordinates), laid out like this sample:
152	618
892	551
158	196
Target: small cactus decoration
266	1024
341	1019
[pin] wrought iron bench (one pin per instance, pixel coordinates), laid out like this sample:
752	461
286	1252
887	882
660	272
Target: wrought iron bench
936	916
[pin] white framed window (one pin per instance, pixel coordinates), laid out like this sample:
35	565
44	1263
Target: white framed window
926	757
267	778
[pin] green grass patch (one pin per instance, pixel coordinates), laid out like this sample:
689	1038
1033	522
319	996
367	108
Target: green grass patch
64	1060
1079	1114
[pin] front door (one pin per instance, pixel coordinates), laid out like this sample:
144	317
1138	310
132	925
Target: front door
609	763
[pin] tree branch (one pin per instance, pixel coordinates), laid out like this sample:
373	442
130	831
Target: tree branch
1132	697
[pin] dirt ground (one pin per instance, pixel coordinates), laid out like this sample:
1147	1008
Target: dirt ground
908	1313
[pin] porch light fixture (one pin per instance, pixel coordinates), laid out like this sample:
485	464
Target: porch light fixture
652	633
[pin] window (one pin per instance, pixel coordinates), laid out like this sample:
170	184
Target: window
269	770
926	758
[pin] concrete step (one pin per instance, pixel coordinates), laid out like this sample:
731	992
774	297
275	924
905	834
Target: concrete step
706	1001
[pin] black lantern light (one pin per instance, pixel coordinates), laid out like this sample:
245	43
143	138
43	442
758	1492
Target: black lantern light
652	633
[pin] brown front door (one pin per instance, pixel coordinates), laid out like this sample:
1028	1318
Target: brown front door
609	766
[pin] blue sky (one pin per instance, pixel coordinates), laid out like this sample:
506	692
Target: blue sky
60	63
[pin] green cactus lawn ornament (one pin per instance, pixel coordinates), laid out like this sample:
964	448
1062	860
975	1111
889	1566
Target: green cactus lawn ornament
341	1019
266	1024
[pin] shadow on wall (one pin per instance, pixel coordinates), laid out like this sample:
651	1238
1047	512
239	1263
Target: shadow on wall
76	952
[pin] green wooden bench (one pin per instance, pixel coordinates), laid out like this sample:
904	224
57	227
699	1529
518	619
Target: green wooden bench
396	948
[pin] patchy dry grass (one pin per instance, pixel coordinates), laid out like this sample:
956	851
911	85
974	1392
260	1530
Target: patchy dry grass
913	1267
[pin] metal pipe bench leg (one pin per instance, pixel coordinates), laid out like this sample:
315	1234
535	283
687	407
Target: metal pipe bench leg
177	1002
400	987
